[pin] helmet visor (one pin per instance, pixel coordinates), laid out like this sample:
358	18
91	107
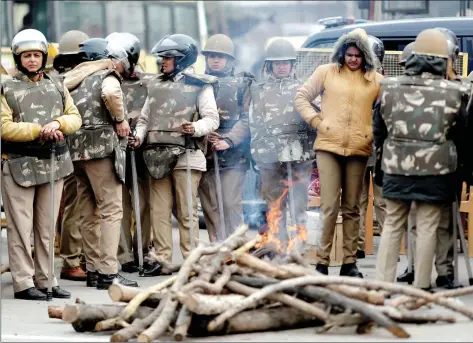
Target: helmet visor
29	46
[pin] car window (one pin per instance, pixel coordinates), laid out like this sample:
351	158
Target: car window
323	44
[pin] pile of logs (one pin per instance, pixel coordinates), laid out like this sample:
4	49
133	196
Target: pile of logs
223	289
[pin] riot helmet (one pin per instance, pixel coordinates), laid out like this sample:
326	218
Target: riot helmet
431	42
453	48
279	50
131	44
29	40
220	44
182	47
69	42
378	47
117	52
94	49
406	53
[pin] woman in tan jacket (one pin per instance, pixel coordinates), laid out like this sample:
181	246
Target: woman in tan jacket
349	86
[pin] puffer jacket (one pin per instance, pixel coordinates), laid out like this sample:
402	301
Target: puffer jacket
344	124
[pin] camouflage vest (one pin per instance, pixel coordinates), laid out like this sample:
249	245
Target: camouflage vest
135	92
278	133
97	137
419	112
230	109
36	102
171	104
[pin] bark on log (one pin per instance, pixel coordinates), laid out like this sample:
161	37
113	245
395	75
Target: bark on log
85	317
415	318
378	317
138	325
262	319
210	304
121	293
282	298
292	271
413	304
182	324
55	312
159	326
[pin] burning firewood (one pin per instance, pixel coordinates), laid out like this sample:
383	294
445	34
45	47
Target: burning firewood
234	287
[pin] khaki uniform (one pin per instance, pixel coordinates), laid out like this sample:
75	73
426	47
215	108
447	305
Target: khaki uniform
99	161
167	165
444	247
280	137
25	184
232	102
135	90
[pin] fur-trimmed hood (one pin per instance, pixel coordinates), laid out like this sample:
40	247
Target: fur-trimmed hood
359	38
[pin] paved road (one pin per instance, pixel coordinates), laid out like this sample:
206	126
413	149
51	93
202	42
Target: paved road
23	320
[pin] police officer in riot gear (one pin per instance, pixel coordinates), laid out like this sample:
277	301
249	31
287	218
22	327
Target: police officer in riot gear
134	87
409	172
230	141
98	150
36	110
71	239
279	140
179	111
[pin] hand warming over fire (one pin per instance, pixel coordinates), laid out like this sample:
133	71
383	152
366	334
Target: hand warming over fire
220	145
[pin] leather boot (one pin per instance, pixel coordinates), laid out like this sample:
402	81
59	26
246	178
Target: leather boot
31	293
58	292
350	269
129	267
73	274
153	269
322	268
446	281
406	277
105	281
92	278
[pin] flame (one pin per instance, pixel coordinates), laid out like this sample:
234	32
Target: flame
297	233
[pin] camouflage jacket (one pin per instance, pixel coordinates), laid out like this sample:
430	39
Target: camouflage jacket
420	114
233	102
97	137
35	102
278	133
135	91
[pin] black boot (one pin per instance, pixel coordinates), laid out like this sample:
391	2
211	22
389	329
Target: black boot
152	269
360	254
322	268
58	292
105	281
446	281
428	289
129	267
406	277
350	269
92	278
31	293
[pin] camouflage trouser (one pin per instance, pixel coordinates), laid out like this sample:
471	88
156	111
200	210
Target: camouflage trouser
444	248
427	219
274	181
232	191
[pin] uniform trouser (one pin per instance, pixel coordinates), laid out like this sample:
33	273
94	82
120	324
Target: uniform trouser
71	238
232	180
28	210
379	206
274	187
444	249
129	252
161	203
337	173
100	194
427	222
